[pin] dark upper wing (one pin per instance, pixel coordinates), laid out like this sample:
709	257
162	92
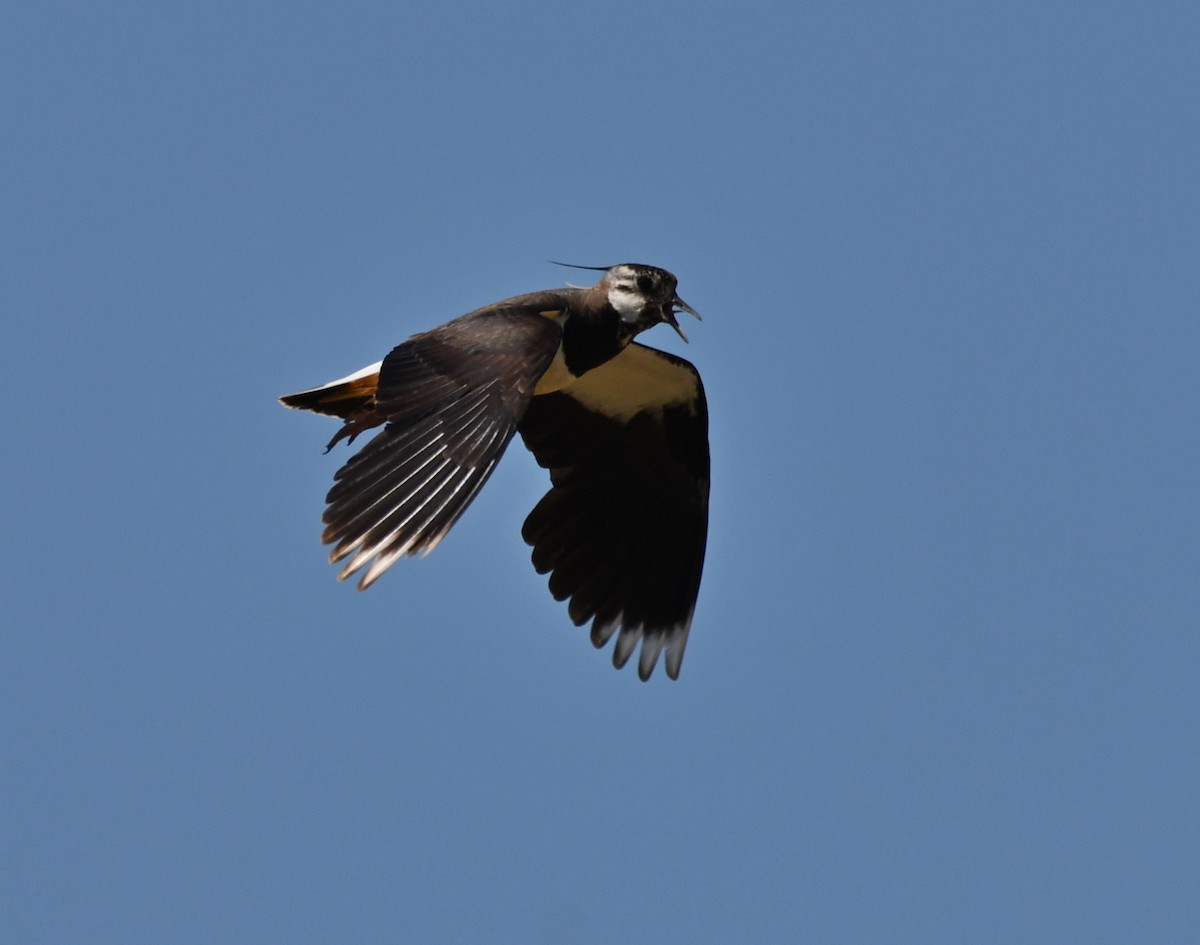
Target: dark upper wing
623	529
452	398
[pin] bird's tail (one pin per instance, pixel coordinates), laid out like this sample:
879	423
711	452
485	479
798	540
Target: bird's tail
351	398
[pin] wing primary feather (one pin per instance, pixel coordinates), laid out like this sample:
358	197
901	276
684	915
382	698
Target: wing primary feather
403	499
406	456
652	645
627	641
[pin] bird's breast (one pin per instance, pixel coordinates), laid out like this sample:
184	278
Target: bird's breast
556	377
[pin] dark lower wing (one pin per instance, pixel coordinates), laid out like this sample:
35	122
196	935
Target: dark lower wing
451	399
623	529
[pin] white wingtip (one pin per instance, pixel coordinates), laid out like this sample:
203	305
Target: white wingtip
669	644
651	646
627	641
676	641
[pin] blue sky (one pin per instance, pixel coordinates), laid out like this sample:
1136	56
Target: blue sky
941	686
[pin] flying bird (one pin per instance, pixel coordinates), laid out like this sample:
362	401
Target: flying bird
621	427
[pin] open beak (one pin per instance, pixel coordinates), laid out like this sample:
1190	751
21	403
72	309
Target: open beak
669	314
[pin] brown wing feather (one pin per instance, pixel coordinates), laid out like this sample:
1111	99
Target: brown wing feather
451	399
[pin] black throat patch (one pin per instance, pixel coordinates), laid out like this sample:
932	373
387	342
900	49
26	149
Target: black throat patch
591	338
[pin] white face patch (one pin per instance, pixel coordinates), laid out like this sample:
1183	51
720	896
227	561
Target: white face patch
628	300
631	288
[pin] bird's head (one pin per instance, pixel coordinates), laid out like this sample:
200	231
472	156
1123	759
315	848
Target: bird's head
644	296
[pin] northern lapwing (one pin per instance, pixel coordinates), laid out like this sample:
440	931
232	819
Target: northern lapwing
622	428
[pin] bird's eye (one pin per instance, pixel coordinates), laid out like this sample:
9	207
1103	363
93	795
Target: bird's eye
644	283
